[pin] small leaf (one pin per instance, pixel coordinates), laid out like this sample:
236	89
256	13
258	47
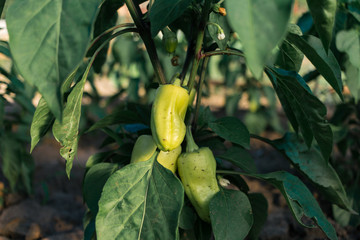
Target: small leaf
325	63
231	129
140	201
214	31
323	13
164	12
290	57
300	200
66	132
231	214
41	123
319	172
259	207
241	158
261	25
94	182
48	39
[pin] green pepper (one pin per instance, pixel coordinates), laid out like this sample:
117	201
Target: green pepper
169	40
168	114
145	147
197	171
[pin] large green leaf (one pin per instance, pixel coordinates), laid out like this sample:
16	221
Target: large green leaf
239	157
48	39
300	200
323	13
94	182
259	207
325	63
261	25
290	57
140	201
231	129
164	12
231	214
304	109
310	162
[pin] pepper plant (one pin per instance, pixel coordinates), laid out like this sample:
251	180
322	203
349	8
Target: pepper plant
131	193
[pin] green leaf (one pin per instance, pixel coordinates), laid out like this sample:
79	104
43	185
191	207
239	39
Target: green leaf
66	132
231	214
2	4
48	39
213	30
349	42
259	207
304	108
323	13
345	218
94	182
17	164
290	57
106	19
261	25
41	123
4	49
164	12
353	79
140	201
231	129
187	218
117	117
241	158
320	173
325	63
300	200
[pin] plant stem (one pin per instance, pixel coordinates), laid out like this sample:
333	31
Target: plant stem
145	34
199	90
190	143
222	52
199	42
265	140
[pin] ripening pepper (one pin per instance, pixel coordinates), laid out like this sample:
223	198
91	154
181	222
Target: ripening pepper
197	171
169	159
144	149
168	114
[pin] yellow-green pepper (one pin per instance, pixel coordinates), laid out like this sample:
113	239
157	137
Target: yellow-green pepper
168	114
197	171
169	159
145	147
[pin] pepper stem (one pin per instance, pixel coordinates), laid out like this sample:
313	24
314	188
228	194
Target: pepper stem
190	143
